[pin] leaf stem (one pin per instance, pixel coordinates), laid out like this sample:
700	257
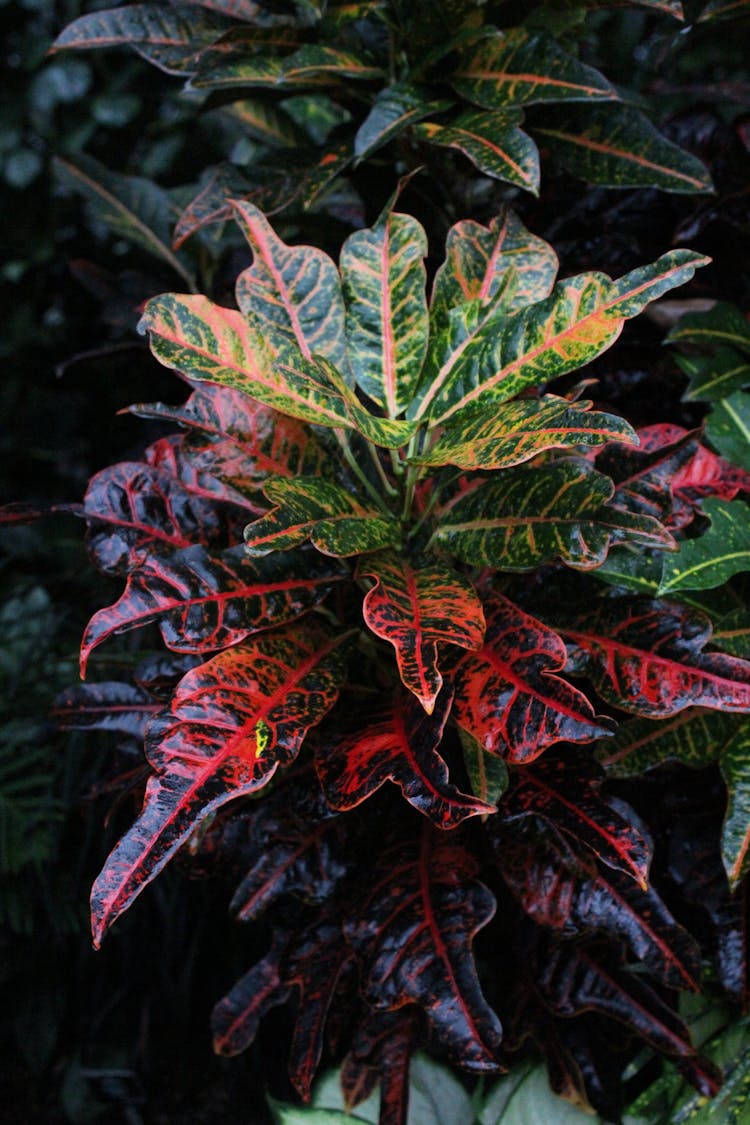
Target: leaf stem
356	468
387	486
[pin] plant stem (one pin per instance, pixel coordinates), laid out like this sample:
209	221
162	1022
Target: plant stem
351	461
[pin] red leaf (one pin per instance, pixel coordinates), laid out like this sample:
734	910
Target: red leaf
416	607
646	657
414	940
235	1019
508	696
105	706
206	477
232	722
384	1042
397	743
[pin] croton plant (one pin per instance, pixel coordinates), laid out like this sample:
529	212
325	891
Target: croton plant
420	599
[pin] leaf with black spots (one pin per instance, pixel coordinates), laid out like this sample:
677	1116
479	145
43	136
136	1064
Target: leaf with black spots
510	697
204	476
231	723
109	705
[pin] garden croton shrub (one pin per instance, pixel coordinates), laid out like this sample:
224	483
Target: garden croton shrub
421	600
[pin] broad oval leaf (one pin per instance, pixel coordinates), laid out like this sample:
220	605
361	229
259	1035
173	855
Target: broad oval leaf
728	428
231	723
531	516
327	514
384	279
721	326
493	142
714	557
415	608
518	66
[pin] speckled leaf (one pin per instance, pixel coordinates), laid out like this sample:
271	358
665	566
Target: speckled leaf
413	940
735	832
316	59
328	514
732	633
721	326
394	108
477	259
383	277
488	775
518	66
617	146
414	608
693	737
247	57
640	573
203	603
493	142
291	292
713	377
647	657
201	472
531	516
231	723
582	317
510	697
109	705
728	428
712	558
506	435
399	743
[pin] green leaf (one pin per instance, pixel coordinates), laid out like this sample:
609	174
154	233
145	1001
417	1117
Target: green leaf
133	208
514	432
617	146
316	59
265	122
524	1097
693	737
493	142
246	56
518	67
715	376
531	516
735	832
711	559
728	428
732	633
724	325
394	108
488	773
631	570
328	514
582	317
724	9
387	326
291	293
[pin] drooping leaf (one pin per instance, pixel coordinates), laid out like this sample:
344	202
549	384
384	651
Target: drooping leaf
109	705
728	428
582	317
735	832
712	558
399	743
510	697
493	142
202	603
394	108
235	1019
517	66
506	435
415	608
721	326
413	939
335	520
617	146
131	207
292	293
530	516
648	657
715	376
231	723
693	737
383	278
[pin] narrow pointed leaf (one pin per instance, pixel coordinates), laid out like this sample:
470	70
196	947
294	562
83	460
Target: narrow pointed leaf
732	633
714	557
265	122
722	326
510	697
514	432
292	292
493	142
105	706
415	608
394	108
398	743
647	657
383	277
231	723
581	318
488	774
211	203
735	832
315	59
202	603
728	428
518	66
222	69
235	1019
716	376
532	516
617	146
414	941
693	737
331	516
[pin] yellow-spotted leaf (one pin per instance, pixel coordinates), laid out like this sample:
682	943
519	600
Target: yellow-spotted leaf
735	833
711	559
493	142
331	516
506	435
315	59
415	608
383	277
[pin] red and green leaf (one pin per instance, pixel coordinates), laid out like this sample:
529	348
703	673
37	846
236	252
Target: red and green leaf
329	515
510	697
110	705
314	60
230	725
415	608
493	142
396	743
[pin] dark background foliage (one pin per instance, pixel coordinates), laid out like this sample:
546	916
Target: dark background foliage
123	1035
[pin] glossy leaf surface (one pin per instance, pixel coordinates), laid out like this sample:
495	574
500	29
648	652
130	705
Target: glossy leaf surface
493	142
694	737
394	108
713	558
109	705
728	428
735	833
722	326
235	1019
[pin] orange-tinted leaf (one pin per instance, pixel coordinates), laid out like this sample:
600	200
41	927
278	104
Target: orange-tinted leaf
493	142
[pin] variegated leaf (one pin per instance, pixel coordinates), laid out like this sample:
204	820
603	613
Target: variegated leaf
506	435
693	737
231	723
721	326
383	277
397	743
394	108
314	60
716	376
728	428
493	142
201	472
112	706
713	558
328	514
530	516
415	608
518	66
735	832
510	697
